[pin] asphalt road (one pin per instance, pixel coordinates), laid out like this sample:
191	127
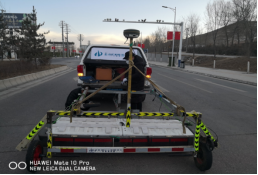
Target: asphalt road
228	108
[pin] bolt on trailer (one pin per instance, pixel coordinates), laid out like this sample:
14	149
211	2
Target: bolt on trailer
127	130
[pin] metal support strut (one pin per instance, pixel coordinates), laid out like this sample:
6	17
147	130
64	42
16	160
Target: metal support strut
128	114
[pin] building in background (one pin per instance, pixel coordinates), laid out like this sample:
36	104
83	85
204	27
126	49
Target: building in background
56	46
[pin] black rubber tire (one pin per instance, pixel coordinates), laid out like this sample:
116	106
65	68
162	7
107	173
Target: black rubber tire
73	96
203	161
144	98
30	153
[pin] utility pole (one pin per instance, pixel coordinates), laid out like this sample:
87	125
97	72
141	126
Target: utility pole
187	38
67	30
61	24
80	38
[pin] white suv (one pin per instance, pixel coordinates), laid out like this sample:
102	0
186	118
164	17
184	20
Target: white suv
107	56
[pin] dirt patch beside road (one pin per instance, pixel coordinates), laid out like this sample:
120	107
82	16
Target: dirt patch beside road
238	64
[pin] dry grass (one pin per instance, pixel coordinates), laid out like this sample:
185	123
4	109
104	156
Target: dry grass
238	64
9	69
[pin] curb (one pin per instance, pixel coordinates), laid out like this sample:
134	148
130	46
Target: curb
11	82
213	76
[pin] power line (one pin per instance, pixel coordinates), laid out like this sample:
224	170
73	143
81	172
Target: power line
74	29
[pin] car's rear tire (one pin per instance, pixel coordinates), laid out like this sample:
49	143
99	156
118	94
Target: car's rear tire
73	96
144	98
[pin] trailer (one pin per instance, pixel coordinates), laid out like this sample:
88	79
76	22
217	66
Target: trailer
123	131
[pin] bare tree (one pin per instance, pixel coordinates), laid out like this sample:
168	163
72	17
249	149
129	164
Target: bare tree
226	17
214	20
146	42
185	44
193	26
245	12
156	40
160	37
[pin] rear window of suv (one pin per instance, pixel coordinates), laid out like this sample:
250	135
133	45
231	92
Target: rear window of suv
110	53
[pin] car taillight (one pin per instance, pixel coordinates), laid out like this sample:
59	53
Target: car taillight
80	70
148	72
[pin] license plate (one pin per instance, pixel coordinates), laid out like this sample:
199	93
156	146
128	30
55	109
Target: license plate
105	150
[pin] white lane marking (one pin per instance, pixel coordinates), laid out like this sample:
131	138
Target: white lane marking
75	78
186	83
220	85
163	89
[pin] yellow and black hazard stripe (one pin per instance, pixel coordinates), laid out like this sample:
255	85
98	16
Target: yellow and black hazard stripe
63	113
102	114
49	145
35	130
128	117
162	114
206	131
192	114
197	137
189	114
92	113
154	114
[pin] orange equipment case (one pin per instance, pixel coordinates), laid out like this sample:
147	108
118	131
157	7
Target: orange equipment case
103	74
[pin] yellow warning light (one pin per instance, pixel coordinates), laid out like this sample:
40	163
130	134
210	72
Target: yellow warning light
80	74
148	76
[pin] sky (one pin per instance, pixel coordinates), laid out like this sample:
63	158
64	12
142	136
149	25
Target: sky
86	16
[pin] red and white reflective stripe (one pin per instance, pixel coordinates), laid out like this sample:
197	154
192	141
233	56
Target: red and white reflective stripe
122	150
67	150
166	149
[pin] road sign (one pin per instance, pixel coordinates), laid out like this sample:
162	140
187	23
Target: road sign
145	50
141	45
170	35
14	20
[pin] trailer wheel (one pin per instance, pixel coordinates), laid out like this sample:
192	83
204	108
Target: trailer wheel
33	154
203	161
